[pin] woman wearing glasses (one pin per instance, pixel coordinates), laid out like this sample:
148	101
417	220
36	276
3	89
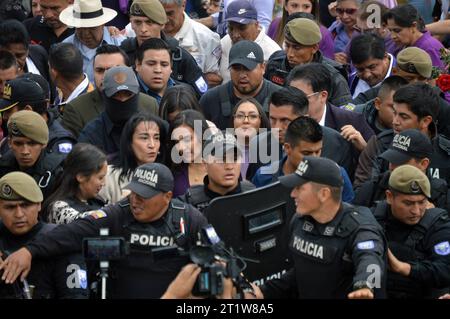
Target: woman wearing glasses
248	118
343	28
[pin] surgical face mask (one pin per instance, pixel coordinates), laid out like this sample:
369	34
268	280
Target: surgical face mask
120	112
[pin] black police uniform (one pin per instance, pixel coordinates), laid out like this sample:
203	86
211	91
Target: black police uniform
40	33
184	67
45	171
374	190
60	140
331	260
278	68
138	275
200	196
425	246
61	277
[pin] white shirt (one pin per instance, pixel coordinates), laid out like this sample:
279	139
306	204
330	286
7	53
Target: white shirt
322	120
31	67
201	43
265	42
79	89
363	86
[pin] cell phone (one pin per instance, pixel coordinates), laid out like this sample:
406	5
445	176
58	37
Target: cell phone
104	248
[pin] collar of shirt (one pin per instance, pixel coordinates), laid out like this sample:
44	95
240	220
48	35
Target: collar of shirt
322	120
78	90
148	91
185	29
31	67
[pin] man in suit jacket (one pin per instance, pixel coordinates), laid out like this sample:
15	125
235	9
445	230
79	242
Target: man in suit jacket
86	107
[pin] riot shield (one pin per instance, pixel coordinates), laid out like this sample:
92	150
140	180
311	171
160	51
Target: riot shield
255	224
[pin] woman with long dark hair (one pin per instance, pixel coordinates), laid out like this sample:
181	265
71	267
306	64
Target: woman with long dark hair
176	99
187	133
408	29
143	140
78	187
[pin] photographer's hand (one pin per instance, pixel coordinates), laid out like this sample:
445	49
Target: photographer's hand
181	286
257	293
17	264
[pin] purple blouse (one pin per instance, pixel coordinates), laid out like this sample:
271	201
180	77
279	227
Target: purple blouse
181	181
432	46
326	45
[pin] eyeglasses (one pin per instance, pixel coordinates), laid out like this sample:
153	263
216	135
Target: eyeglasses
251	117
349	11
312	94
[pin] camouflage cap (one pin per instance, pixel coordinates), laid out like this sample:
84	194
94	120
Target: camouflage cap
18	186
408	179
303	31
415	60
151	9
28	124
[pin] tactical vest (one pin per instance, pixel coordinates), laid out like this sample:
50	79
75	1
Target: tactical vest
140	275
323	261
197	197
15	291
398	286
47	169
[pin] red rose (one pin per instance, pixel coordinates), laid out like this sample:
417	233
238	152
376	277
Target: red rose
443	81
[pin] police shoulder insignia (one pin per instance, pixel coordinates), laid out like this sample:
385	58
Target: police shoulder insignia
65	147
201	85
366	245
82	278
97	214
217	52
442	249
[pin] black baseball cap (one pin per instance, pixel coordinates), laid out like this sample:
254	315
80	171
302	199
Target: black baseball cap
151	179
221	143
319	170
406	145
39	79
247	53
20	90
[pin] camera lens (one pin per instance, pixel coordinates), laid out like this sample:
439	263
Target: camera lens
201	255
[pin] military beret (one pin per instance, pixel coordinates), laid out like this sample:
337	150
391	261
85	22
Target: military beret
29	124
408	179
151	9
18	186
303	31
415	60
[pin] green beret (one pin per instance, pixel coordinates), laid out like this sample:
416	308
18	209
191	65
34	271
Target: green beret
408	179
19	186
303	31
29	124
151	9
415	60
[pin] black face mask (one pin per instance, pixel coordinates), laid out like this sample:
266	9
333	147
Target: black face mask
119	112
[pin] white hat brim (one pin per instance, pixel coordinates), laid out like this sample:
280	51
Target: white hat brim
66	17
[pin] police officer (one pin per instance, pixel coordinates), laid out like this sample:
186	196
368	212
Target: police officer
408	147
147	20
61	277
338	250
28	138
223	170
418	238
302	37
32	92
148	219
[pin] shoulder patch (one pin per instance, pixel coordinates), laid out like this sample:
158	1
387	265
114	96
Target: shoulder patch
201	85
65	147
366	245
442	249
82	278
97	214
217	52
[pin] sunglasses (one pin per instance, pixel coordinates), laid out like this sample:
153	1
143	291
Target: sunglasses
348	11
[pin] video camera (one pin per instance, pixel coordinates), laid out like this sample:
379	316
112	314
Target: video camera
216	262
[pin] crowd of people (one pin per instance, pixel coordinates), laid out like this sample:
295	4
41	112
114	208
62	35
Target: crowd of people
134	115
